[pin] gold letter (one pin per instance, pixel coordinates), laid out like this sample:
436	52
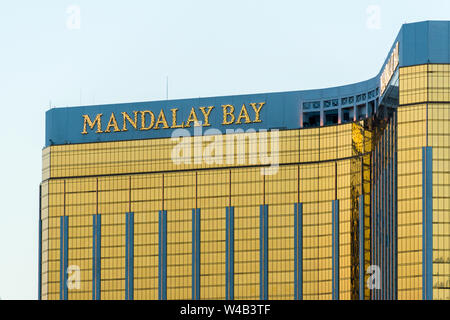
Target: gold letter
174	119
257	110
161	120
143	127
126	118
87	120
206	115
227	113
192	118
243	114
112	123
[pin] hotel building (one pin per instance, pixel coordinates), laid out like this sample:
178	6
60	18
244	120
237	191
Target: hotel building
338	193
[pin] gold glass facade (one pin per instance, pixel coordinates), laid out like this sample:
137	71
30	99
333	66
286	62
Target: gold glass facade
317	166
423	121
348	199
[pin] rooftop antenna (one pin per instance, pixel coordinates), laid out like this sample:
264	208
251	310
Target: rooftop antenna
167	88
80	96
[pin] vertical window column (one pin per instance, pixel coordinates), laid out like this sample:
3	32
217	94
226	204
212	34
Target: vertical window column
40	247
427	223
263	252
162	255
40	262
229	259
378	226
63	256
298	251
373	209
383	218
196	254
335	248
388	212
129	256
96	256
361	248
395	210
385	272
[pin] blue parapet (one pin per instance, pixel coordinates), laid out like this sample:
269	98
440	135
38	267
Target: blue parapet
417	43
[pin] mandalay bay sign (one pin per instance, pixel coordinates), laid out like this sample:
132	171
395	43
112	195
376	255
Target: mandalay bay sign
148	120
209	146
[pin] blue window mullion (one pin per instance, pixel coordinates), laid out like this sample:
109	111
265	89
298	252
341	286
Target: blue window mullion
335	249
395	211
129	255
374	223
40	259
298	251
126	254
383	223
164	279
379	221
63	260
232	253
194	293
66	255
94	255
388	214
198	243
162	255
361	248
263	252
427	223
160	250
229	259
131	288
227	254
375	207
385	219
266	251
196	254
99	254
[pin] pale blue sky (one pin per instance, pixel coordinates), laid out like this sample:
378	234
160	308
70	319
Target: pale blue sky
123	52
